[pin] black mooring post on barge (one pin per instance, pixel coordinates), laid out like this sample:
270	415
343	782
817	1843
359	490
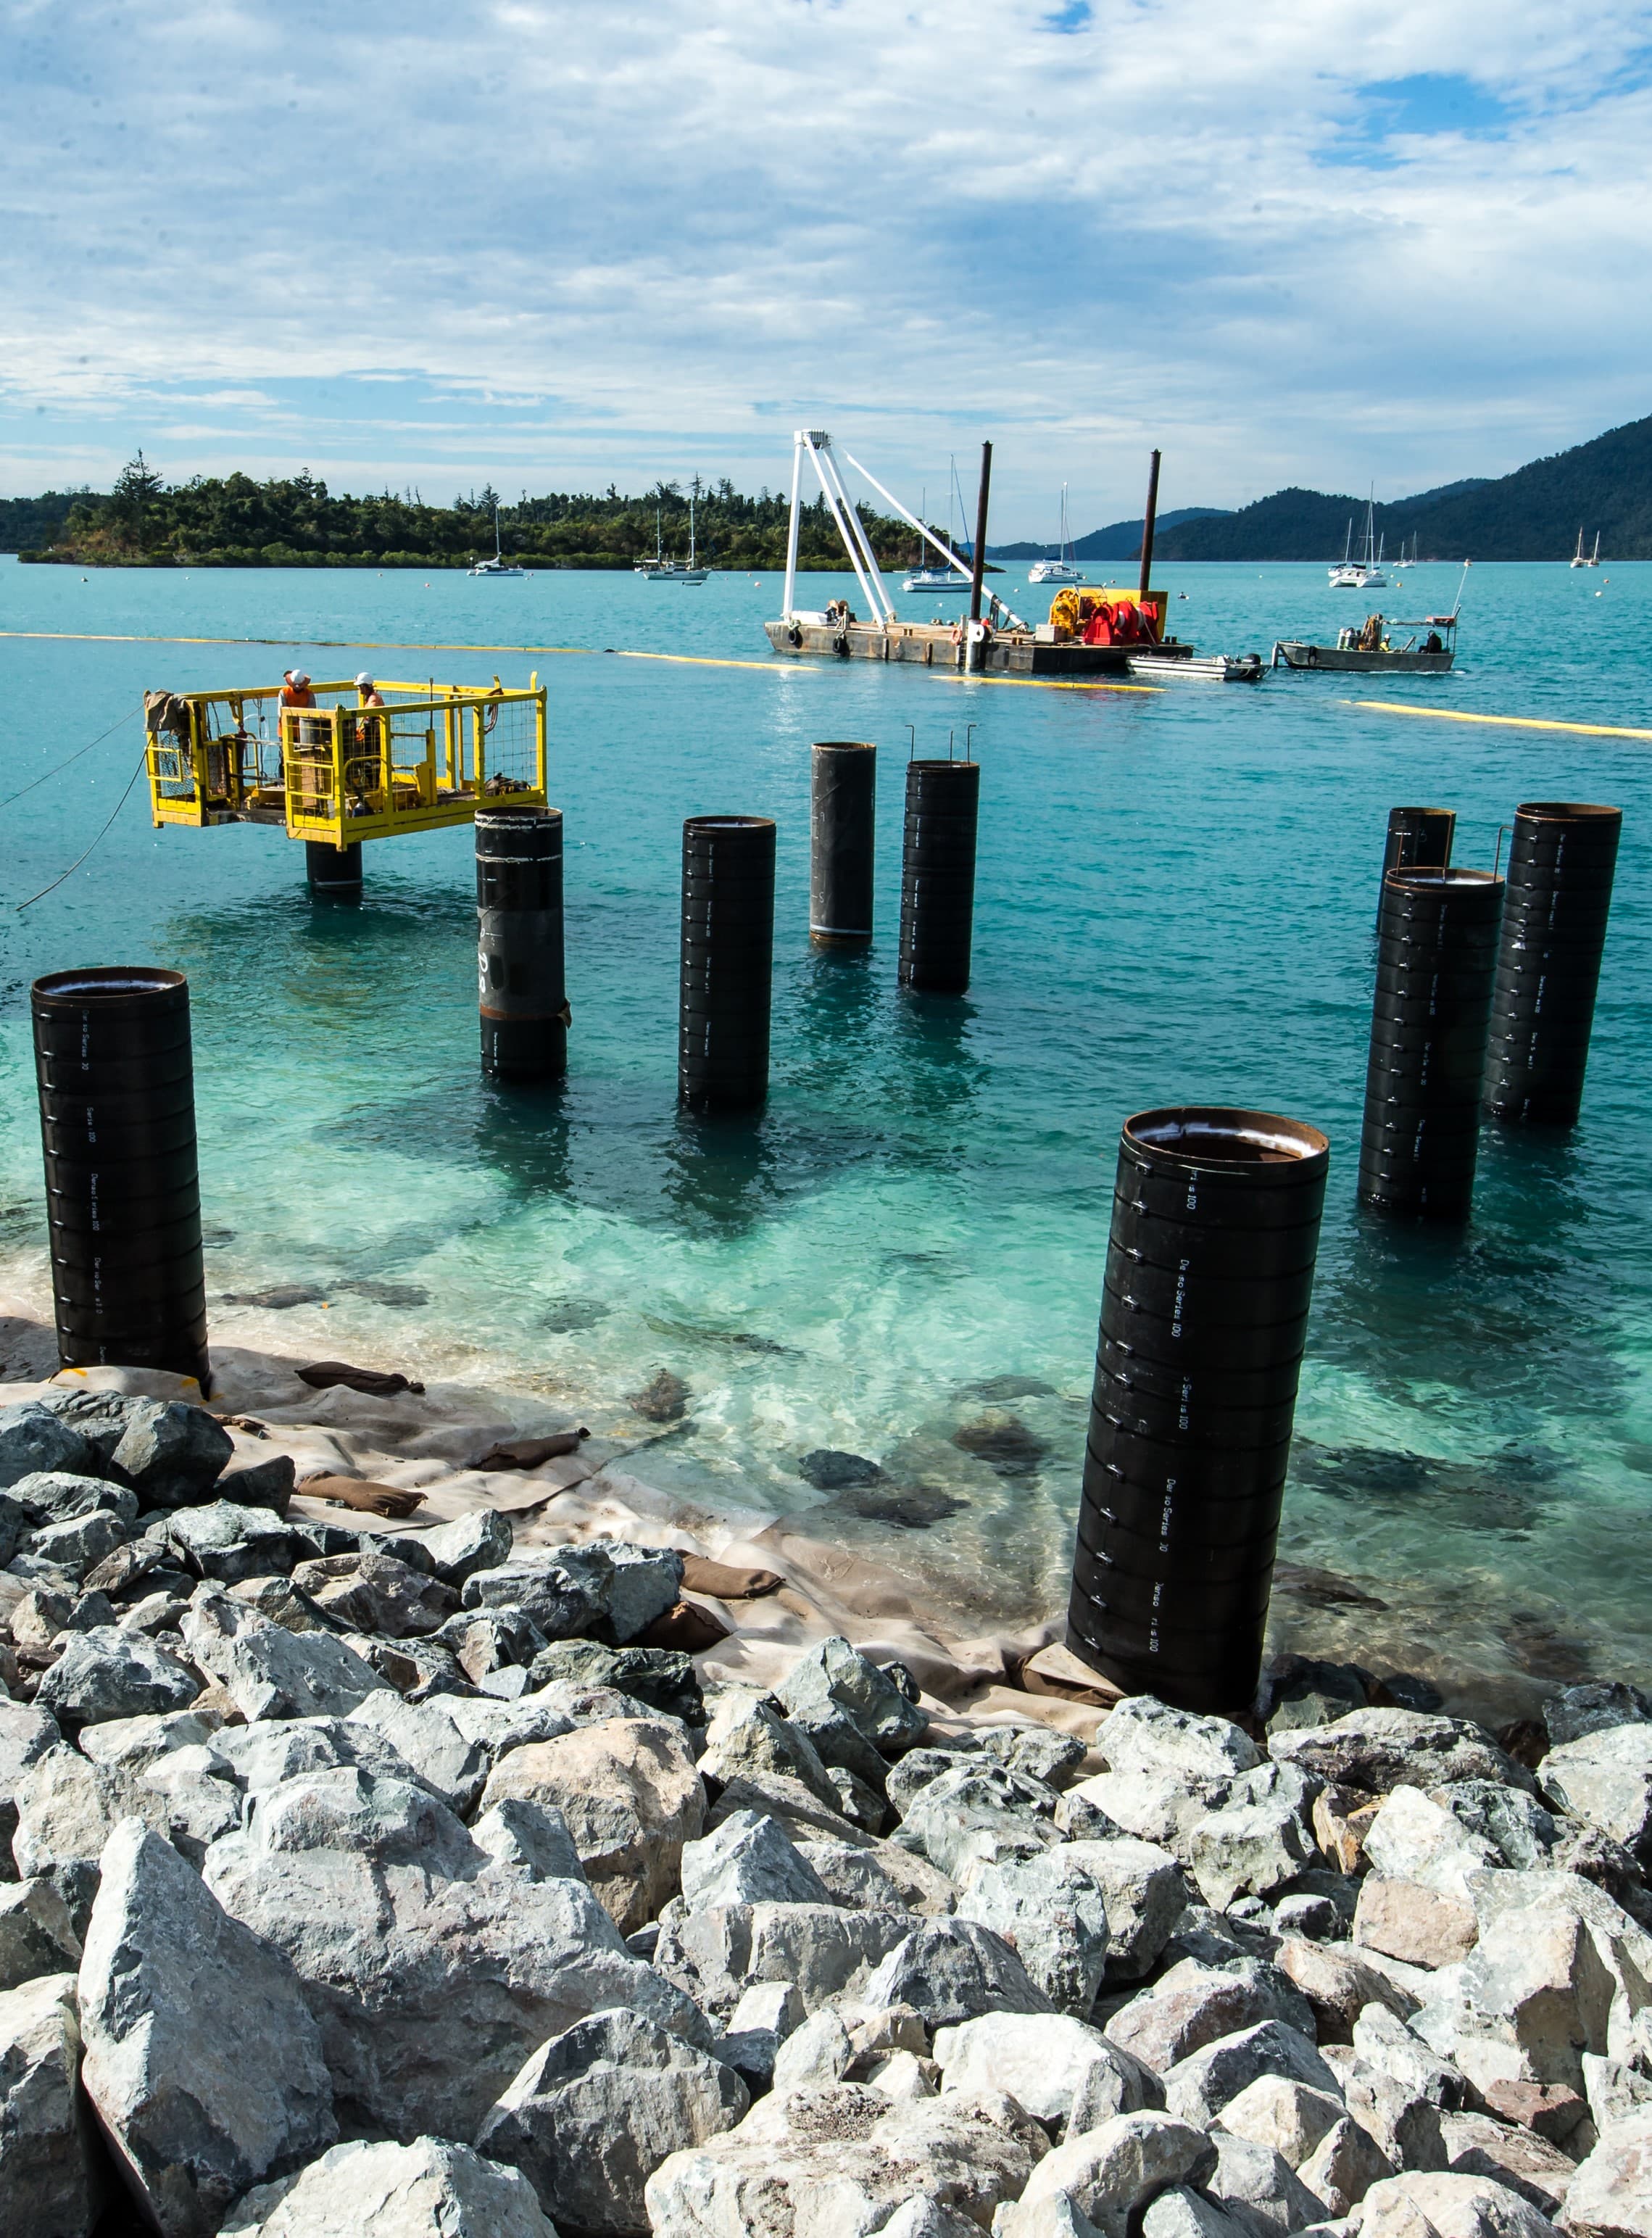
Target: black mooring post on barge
117	1123
332	870
938	876
1204	1310
523	997
728	961
842	820
978	557
1149	521
1562	858
1437	955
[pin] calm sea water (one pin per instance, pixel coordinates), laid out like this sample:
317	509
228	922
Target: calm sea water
1175	904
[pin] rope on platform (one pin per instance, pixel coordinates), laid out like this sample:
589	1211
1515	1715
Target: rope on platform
143	761
1508	722
75	756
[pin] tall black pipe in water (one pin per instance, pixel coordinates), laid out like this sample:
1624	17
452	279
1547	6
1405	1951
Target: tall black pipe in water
978	557
332	870
843	822
1148	523
117	1123
1561	859
1437	954
728	961
1204	1311
1419	838
519	915
938	875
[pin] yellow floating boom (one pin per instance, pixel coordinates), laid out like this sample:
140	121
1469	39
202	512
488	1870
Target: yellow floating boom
343	769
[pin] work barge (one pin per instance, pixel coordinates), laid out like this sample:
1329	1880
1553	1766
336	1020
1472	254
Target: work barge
1089	632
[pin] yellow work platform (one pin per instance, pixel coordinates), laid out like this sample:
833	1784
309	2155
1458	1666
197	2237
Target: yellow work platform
342	770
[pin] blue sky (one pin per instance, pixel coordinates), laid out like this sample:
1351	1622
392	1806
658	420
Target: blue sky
560	246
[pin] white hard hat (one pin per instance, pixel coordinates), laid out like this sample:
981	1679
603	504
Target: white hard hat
298	676
364	682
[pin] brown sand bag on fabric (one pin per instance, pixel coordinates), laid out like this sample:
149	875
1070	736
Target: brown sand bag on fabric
532	1452
721	1581
322	1375
358	1492
687	1627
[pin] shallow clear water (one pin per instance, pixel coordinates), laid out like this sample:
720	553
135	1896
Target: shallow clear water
1175	902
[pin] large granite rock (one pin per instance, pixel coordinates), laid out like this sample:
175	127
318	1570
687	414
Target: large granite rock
36	1932
171	1454
1605	1778
109	1672
53	2171
954	1970
716	1953
1110	2172
1053	1914
430	2189
268	1671
34	1437
1044	2061
750	1858
433	1980
631	1797
1611	2194
844	2160
1378	1750
201	2058
595	2112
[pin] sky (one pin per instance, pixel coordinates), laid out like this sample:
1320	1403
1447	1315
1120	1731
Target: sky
559	247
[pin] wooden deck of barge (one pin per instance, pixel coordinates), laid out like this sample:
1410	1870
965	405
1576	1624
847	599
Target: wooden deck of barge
937	644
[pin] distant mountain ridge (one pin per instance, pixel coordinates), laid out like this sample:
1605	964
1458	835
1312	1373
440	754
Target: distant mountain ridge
1120	540
1533	514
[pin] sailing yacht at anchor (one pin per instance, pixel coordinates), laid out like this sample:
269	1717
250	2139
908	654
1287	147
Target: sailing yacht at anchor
496	567
673	571
1577	559
1061	569
1365	573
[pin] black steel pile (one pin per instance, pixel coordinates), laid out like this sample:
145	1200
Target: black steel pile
728	961
938	875
1561	862
1436	951
1210	1268
518	911
117	1123
842	825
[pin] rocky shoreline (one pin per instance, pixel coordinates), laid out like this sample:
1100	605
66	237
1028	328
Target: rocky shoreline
408	1825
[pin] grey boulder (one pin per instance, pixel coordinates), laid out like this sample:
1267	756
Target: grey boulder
201	2057
718	1954
749	1858
1198	2088
268	1671
1052	1913
1379	1750
53	2170
37	1933
1611	2194
425	1738
171	1454
978	1812
594	2112
1145	1735
227	1541
432	1985
430	2189
1110	2172
1043	2061
470	1543
832	1678
1450	2207
108	1673
33	1437
1257	2186
846	2159
80	1543
1605	1778
954	1970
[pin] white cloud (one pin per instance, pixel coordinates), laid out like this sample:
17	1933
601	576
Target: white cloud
609	243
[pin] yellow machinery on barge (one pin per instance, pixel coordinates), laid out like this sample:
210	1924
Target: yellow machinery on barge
345	770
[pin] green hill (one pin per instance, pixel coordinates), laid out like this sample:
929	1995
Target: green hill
1534	513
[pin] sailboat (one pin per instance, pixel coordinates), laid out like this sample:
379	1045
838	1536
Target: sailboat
496	567
1594	559
1365	573
934	577
1061	569
673	571
659	563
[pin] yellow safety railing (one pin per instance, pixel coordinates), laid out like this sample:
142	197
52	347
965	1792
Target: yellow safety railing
431	755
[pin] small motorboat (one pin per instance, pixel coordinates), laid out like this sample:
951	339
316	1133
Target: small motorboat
1375	648
1198	668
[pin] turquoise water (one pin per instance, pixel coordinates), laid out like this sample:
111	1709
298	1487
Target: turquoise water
1175	904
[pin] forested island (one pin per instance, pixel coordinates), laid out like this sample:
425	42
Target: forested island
237	522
